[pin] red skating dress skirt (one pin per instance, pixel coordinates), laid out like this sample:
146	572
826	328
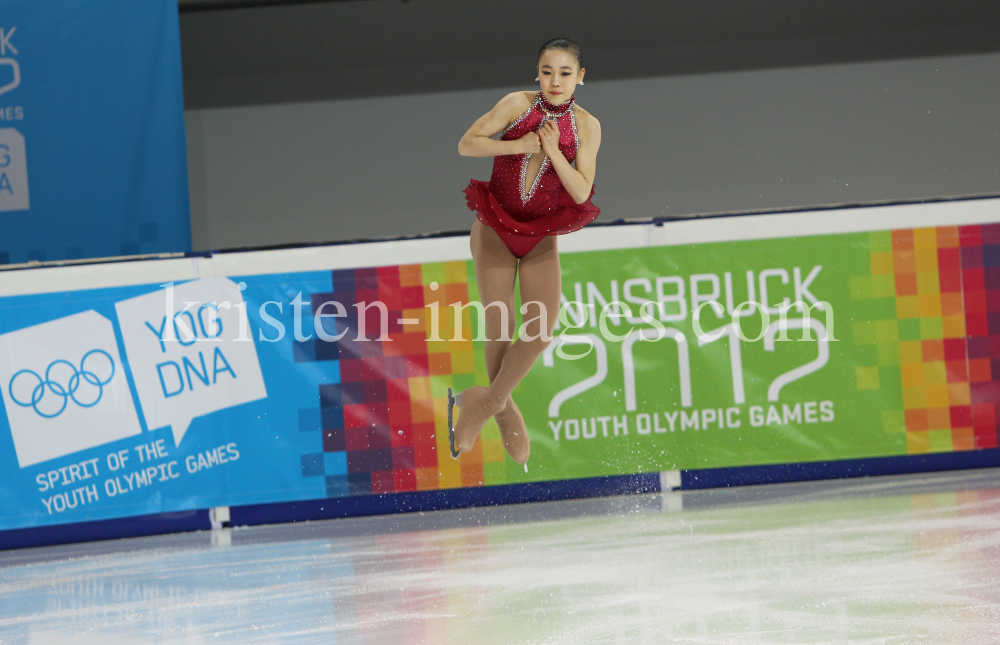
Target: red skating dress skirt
523	214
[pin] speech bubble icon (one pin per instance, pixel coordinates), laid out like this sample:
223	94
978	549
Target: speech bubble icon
64	387
191	352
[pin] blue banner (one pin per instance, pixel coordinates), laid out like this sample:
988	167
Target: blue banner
92	148
114	408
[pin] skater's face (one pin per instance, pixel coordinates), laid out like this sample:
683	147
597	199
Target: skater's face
558	74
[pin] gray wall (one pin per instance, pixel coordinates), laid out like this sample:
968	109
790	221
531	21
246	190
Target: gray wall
674	146
307	50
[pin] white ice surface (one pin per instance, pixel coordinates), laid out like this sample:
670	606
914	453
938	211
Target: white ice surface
912	559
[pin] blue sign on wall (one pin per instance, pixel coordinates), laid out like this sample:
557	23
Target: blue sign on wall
92	153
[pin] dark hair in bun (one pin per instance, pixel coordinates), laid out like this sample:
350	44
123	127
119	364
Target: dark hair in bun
564	44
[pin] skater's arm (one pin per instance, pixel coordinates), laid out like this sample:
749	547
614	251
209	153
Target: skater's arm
577	181
477	142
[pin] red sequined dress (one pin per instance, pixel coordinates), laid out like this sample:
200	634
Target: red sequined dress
523	214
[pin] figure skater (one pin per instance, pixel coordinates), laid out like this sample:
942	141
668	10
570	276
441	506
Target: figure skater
534	194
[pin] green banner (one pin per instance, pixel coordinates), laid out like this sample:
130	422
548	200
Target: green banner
884	372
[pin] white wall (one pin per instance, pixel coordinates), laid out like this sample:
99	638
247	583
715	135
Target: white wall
837	134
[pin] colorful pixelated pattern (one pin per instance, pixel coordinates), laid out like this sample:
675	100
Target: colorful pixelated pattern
384	425
939	336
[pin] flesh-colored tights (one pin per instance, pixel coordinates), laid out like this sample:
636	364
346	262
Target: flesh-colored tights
508	362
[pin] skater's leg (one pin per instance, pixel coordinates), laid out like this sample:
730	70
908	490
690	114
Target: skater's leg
496	269
494	285
541	283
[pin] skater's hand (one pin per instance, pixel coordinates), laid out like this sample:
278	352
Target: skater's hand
530	143
549	134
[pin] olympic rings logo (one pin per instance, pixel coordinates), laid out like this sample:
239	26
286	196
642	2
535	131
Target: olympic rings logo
64	381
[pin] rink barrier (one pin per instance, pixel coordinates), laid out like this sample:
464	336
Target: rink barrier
451	247
118	528
841	469
331	508
459	498
437	500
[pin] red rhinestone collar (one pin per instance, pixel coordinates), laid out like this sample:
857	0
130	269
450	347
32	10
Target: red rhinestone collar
556	110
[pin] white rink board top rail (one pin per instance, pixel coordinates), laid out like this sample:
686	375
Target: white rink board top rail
456	248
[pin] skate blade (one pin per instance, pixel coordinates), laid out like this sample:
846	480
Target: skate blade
451	426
